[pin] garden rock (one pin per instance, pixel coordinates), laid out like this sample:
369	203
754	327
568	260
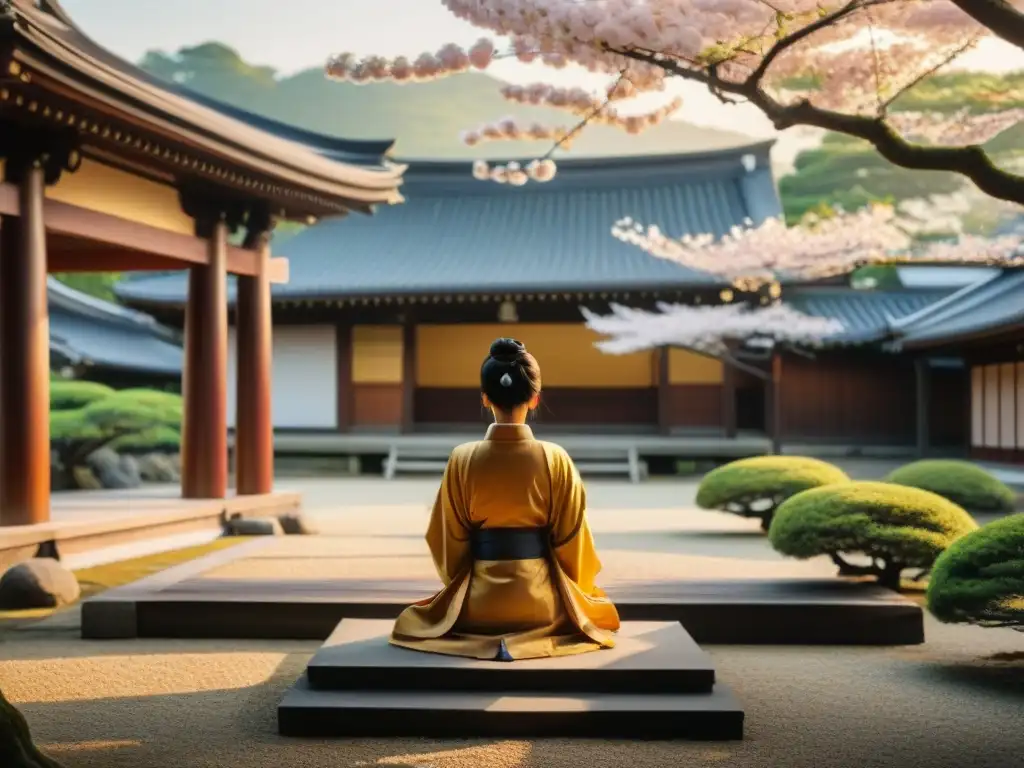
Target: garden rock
158	468
252	526
38	583
296	525
120	475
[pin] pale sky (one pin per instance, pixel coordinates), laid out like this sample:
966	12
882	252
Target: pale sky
298	34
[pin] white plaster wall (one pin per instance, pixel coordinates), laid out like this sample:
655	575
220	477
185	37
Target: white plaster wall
305	377
1007	406
991	406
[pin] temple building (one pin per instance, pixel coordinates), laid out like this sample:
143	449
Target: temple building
384	323
983	324
106	168
97	340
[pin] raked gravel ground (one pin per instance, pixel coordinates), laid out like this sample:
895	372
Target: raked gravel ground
955	702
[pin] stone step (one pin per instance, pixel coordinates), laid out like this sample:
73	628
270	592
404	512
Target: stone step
309	713
649	657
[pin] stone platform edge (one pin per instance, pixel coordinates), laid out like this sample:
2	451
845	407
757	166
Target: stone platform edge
21	542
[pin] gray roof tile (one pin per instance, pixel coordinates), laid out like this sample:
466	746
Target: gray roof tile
454	234
865	314
985	307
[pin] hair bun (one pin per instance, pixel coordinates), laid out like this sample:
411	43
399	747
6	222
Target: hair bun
507	350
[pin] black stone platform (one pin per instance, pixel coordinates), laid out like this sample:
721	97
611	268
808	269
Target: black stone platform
648	657
740	612
359	686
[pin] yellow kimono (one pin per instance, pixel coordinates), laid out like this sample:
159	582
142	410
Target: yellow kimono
543	604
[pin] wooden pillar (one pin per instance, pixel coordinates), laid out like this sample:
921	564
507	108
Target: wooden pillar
773	403
664	391
408	376
204	449
922	382
729	399
24	354
254	428
343	350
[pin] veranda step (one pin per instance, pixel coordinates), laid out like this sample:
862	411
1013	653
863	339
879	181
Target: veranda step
309	713
649	657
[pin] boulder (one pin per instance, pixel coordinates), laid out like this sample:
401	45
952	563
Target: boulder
113	470
38	583
158	468
296	524
252	526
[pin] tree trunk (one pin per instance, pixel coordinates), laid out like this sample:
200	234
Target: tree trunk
766	520
16	747
889	576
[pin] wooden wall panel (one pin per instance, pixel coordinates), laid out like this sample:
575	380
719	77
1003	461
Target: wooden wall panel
696	406
977	405
104	189
686	367
1019	405
377	405
948	407
559	405
377	354
451	356
1007	406
990	415
849	399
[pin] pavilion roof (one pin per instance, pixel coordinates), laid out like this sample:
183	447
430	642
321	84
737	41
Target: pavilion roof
306	172
456	235
984	309
85	329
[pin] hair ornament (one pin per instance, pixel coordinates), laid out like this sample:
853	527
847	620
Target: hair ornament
505	380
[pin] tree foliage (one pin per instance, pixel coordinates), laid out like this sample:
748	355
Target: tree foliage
755	487
894	526
980	578
962	482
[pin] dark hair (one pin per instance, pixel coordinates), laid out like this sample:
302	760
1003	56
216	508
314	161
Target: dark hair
510	376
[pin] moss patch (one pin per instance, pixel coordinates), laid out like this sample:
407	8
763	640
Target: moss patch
103	577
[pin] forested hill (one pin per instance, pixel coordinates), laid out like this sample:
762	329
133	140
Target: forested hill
425	118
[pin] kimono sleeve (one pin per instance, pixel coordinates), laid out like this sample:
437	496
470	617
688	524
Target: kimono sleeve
448	532
572	540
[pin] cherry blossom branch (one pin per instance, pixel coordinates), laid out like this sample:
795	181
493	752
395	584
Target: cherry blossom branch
999	16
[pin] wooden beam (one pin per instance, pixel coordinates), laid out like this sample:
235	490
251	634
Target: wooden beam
204	449
729	399
343	351
664	391
408	375
25	361
773	403
128	236
922	380
108	261
254	429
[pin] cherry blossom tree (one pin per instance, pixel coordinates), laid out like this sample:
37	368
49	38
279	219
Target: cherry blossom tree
838	65
819	248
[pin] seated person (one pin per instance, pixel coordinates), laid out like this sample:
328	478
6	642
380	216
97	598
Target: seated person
510	539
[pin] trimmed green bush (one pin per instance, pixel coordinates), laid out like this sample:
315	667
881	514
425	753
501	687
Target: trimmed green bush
980	578
962	482
138	418
756	486
67	394
897	527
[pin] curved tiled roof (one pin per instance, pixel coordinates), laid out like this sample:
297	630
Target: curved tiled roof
458	235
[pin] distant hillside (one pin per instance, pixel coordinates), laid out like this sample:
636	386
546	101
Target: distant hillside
425	118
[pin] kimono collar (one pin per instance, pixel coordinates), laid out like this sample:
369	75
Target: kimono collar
509	432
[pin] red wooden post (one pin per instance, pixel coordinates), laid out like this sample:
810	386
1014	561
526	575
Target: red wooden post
204	449
254	428
24	355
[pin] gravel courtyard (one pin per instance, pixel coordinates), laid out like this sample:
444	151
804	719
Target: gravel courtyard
956	702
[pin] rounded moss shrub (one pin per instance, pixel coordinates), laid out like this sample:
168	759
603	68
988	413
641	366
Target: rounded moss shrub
961	482
67	394
756	486
896	527
980	578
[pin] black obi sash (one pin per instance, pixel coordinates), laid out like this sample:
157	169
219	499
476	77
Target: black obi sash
510	543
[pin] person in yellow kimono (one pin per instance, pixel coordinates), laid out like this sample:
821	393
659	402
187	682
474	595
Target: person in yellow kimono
510	539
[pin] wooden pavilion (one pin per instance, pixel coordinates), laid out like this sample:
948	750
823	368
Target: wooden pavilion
104	169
